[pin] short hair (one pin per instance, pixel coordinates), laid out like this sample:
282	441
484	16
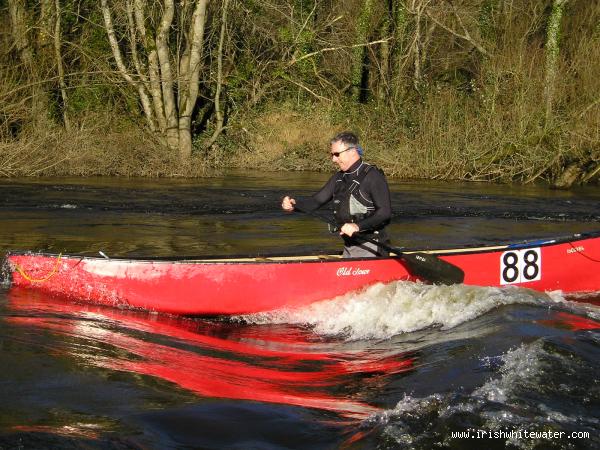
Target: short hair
346	137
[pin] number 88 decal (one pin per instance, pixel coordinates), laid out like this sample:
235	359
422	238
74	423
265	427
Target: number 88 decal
520	266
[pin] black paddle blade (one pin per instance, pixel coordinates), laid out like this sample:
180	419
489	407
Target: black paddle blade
423	265
431	268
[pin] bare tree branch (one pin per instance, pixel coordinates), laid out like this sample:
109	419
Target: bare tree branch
332	49
114	45
465	33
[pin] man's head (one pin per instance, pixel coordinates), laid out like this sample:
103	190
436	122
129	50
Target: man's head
344	150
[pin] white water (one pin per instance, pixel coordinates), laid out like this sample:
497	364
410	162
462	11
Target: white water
384	310
499	401
520	367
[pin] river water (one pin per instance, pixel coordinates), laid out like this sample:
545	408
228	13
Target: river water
397	366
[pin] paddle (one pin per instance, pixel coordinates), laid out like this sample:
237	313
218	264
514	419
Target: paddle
422	265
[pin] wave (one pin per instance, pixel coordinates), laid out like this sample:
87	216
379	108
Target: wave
385	310
535	387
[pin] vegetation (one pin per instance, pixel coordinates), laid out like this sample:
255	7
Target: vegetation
482	90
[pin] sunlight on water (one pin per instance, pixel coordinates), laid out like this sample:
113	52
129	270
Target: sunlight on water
519	366
384	310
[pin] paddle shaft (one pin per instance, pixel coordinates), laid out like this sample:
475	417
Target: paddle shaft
359	236
422	265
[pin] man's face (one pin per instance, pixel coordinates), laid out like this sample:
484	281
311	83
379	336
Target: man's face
343	155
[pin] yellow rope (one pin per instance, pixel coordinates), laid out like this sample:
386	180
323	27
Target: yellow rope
39	280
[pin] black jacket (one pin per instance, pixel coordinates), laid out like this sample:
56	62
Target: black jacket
361	195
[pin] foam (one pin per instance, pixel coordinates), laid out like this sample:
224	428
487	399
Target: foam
384	310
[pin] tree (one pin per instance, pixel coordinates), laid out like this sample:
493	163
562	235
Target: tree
552	52
59	64
22	35
165	43
359	66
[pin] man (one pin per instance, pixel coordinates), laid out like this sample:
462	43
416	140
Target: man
361	198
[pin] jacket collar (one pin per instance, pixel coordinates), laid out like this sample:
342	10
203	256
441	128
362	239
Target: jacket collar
354	168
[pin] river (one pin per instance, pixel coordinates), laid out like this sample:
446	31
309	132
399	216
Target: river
397	366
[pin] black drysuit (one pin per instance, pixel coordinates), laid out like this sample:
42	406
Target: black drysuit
360	195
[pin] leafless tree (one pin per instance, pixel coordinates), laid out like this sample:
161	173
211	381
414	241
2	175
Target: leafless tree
165	58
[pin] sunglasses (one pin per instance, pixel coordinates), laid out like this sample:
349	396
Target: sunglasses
337	154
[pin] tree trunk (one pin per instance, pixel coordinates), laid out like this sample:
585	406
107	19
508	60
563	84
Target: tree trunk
384	52
417	49
400	15
122	67
60	67
190	76
359	53
20	32
46	24
20	18
149	46
552	51
218	110
168	96
166	74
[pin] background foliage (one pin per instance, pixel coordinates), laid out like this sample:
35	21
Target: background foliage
482	90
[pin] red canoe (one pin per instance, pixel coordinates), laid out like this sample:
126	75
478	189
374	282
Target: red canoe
248	285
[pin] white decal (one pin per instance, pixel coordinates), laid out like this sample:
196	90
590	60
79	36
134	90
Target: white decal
346	271
520	266
577	249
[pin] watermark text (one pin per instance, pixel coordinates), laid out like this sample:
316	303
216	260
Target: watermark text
476	433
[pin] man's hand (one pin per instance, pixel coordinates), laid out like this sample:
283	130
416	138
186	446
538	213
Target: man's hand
349	229
288	203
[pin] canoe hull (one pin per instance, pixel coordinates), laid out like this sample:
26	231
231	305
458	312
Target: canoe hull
248	285
199	288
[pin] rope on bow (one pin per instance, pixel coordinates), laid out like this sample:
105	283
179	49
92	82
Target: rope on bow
39	280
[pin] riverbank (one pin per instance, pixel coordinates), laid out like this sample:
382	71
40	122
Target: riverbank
285	138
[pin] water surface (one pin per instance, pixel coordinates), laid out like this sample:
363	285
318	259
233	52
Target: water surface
394	366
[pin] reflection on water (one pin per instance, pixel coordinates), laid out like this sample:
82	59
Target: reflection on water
277	367
81	375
